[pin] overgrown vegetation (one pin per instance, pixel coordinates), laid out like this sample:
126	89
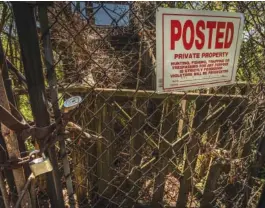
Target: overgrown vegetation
78	63
89	54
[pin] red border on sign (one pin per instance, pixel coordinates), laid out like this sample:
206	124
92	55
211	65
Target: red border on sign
198	83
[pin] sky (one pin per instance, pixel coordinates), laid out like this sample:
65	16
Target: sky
107	13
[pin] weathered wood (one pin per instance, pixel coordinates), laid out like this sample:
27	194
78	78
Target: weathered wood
80	161
109	92
253	134
29	44
136	146
182	128
90	120
148	64
168	134
233	138
220	141
154	113
192	148
235	116
182	132
85	156
212	135
208	199
225	121
3	187
105	151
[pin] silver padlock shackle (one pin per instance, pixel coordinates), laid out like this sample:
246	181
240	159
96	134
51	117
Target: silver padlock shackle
35	153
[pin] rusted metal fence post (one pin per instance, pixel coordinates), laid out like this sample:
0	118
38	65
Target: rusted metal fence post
28	39
12	147
10	96
11	99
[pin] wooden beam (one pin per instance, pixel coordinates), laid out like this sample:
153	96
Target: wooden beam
168	135
130	93
192	149
136	147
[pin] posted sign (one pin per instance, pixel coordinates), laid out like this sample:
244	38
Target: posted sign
196	49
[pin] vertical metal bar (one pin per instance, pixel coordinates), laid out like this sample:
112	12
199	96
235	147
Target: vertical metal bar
29	44
10	94
11	99
51	76
7	80
8	87
12	146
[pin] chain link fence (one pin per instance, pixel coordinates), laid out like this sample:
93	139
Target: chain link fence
126	145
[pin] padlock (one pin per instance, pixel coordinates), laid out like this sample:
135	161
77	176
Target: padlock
40	165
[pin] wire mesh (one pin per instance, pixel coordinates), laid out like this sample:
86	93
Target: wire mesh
202	148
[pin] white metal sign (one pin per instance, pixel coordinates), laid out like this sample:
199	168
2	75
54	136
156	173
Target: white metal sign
196	49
